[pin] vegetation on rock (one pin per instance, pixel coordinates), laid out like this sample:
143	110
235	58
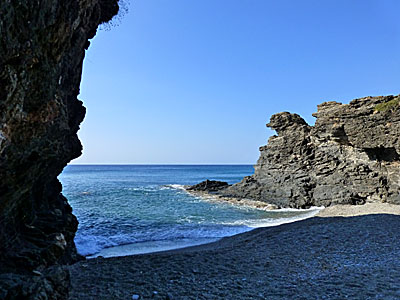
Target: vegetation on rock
389	105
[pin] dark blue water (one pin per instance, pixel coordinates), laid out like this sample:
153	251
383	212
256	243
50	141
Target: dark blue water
146	205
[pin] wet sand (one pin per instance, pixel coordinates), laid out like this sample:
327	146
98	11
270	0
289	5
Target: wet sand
355	257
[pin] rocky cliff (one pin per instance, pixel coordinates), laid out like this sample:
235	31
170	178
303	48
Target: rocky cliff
350	156
41	53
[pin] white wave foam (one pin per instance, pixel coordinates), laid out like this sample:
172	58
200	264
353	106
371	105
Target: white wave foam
91	244
143	189
174	186
126	244
268	222
149	247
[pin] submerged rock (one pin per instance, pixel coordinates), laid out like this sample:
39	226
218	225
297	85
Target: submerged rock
41	53
208	186
350	156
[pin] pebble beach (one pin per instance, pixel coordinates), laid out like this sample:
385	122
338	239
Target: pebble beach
346	252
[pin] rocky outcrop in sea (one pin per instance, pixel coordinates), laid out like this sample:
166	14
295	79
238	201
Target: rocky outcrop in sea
208	186
41	53
350	156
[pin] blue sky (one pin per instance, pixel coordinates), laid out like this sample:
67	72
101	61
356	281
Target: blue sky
196	81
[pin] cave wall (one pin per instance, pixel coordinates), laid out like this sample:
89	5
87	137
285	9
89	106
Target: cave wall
41	53
350	156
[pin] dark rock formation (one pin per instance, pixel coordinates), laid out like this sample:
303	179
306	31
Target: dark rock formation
350	156
208	186
41	53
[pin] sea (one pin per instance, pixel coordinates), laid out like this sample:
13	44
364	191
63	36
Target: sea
134	209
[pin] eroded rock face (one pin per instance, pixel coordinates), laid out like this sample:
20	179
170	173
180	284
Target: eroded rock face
350	156
41	53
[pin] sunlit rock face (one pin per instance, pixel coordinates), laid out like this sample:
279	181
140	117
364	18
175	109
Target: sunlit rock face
41	53
350	156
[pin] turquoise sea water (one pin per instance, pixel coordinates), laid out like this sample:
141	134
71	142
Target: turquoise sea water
127	209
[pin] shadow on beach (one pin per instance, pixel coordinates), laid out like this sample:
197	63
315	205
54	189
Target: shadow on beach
318	258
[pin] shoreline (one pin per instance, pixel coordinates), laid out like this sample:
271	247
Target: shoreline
338	210
151	247
176	246
334	257
344	251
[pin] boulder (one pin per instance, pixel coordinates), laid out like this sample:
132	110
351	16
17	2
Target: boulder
208	186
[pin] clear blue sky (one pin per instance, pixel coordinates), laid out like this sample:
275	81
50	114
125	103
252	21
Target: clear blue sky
196	81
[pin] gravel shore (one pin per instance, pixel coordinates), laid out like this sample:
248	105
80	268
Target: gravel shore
318	258
360	210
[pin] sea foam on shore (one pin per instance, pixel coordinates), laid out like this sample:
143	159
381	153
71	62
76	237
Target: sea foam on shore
145	208
317	258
